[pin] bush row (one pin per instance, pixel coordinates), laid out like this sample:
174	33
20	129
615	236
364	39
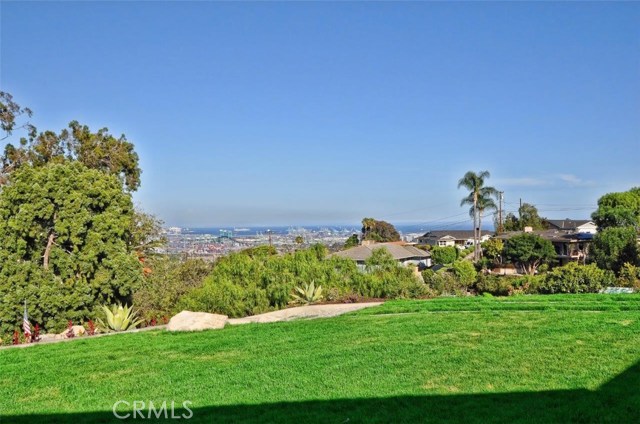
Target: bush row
571	278
254	282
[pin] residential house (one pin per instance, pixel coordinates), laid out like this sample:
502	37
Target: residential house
570	246
403	253
578	226
460	238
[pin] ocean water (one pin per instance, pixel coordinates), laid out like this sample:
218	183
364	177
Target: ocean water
340	228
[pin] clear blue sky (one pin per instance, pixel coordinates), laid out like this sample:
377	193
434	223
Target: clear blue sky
294	113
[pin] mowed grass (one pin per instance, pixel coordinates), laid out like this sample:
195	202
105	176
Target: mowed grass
474	360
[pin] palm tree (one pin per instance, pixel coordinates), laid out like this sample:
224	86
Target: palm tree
480	199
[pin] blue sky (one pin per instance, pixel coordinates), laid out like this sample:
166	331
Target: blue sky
300	113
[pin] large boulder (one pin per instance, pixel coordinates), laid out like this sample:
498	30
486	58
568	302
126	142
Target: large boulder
194	321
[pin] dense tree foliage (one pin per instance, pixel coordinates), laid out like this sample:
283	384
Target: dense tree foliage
68	229
99	150
529	251
575	278
618	220
493	249
528	217
465	271
380	231
352	241
618	210
444	254
64	235
615	246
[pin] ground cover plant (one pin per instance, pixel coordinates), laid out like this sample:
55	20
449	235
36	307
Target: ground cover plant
554	358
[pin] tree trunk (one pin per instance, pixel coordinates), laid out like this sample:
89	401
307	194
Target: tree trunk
479	234
47	250
475	225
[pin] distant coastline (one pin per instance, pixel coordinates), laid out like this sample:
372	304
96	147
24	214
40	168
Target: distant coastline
337	228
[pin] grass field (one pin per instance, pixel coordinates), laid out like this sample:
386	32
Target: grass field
448	360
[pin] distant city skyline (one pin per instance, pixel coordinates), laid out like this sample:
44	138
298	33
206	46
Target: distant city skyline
326	113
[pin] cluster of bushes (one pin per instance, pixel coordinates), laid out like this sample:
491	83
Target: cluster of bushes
258	281
456	279
445	255
461	278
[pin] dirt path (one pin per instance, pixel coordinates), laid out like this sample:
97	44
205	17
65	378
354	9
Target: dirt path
311	311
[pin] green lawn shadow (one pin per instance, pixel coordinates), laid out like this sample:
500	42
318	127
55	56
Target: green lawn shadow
617	401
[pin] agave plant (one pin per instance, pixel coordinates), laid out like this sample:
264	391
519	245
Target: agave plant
119	318
307	294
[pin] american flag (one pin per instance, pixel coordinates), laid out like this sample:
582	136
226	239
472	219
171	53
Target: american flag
25	323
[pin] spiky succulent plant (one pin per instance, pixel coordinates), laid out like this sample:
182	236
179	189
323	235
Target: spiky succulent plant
307	294
118	318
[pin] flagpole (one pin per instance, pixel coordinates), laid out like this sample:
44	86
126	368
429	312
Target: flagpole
26	327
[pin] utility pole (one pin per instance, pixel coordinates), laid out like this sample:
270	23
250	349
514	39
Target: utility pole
270	242
500	200
519	210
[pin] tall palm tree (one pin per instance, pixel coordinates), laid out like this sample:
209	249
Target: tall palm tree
480	199
485	202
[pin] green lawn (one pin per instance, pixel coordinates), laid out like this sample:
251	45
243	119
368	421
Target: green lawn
474	360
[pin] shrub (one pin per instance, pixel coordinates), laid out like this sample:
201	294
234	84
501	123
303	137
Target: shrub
444	255
222	296
465	272
574	278
170	279
494	285
445	282
629	276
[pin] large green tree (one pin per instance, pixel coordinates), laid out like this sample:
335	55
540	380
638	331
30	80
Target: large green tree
618	220
11	114
529	251
615	246
480	199
97	150
65	244
618	210
380	231
528	216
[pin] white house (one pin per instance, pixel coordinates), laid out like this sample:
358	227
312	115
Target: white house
579	226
